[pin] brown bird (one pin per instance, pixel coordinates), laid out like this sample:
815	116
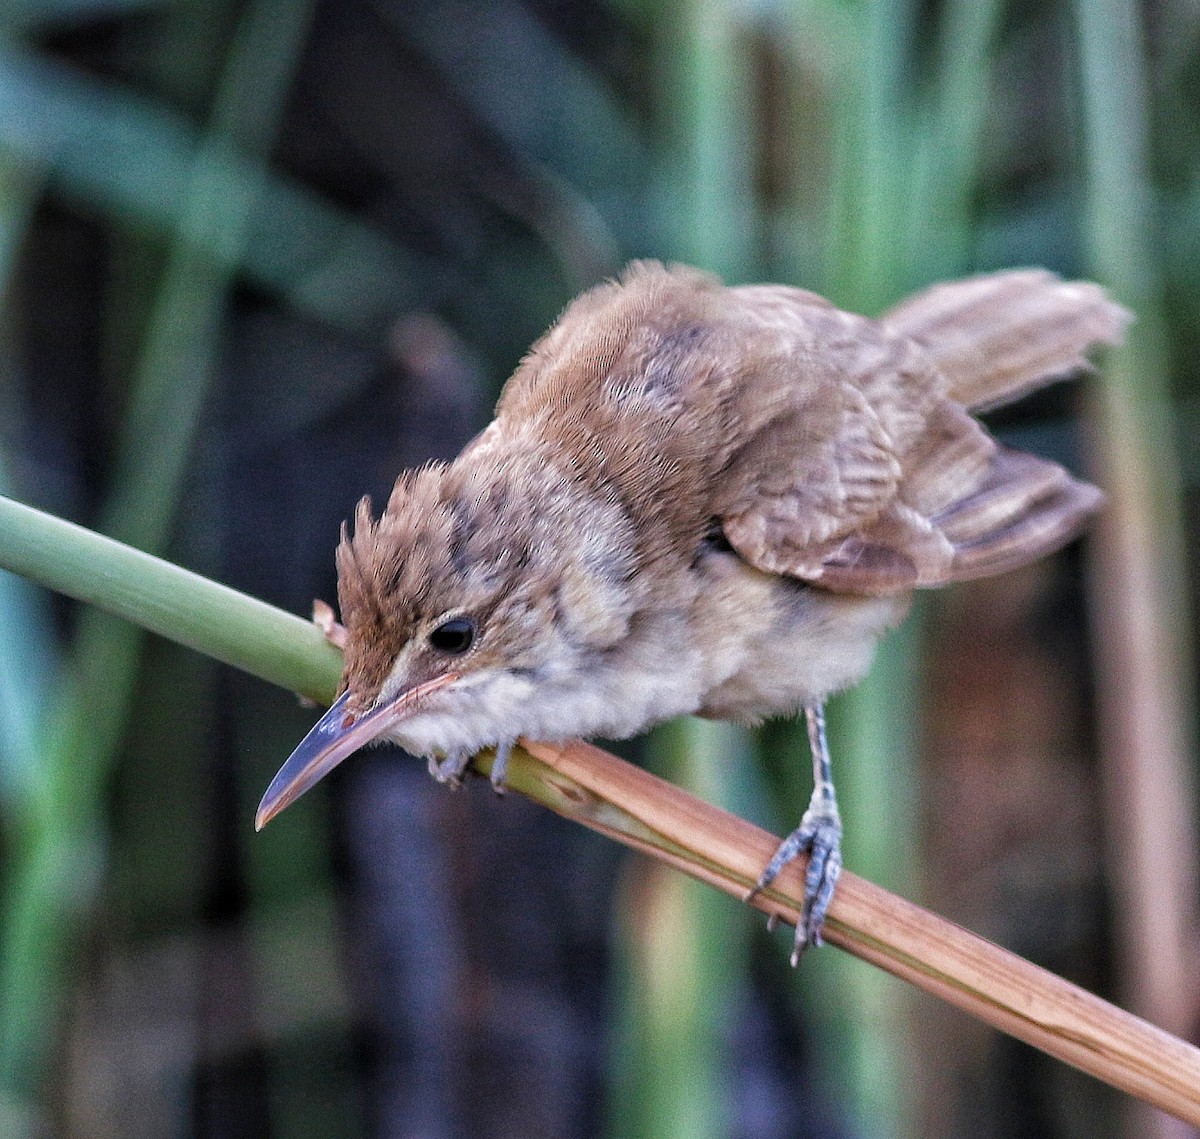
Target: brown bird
700	499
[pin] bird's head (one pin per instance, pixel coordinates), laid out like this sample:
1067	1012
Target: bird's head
478	590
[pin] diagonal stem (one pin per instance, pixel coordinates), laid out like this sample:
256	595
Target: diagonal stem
633	807
629	805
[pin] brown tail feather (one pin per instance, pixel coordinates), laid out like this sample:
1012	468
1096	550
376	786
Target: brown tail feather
998	336
994	338
1026	507
1022	509
968	507
1030	536
1015	484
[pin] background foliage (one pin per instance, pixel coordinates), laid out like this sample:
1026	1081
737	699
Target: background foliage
256	257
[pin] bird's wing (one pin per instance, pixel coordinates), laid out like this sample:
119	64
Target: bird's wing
833	448
868	476
814	489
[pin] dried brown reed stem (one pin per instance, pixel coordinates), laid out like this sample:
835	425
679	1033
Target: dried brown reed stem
633	807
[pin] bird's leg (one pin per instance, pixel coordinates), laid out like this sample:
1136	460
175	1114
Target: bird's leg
819	833
500	766
452	768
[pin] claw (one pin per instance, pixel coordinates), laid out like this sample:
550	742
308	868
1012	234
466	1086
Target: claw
820	836
824	869
451	769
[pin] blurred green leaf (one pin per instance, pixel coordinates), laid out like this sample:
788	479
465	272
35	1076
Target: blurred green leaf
32	17
567	120
57	845
112	151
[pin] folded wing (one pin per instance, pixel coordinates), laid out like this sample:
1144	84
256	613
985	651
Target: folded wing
885	482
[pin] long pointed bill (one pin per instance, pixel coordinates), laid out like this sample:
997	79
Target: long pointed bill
336	735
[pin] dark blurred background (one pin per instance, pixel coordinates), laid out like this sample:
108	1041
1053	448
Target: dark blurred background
257	256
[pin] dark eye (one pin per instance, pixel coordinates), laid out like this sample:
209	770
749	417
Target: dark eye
454	636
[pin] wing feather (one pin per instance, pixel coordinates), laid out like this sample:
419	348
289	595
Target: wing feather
877	479
833	448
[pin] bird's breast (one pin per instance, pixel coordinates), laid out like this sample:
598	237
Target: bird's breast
724	640
773	644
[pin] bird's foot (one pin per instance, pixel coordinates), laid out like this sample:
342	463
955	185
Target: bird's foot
324	619
451	769
820	835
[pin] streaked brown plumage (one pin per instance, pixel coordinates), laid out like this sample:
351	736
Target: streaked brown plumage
701	499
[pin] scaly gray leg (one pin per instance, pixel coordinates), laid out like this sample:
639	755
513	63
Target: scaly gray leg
500	766
819	833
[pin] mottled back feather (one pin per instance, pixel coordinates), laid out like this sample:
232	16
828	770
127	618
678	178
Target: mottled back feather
831	448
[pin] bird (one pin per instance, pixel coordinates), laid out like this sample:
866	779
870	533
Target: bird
700	499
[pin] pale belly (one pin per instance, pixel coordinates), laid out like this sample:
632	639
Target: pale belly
788	645
738	644
747	646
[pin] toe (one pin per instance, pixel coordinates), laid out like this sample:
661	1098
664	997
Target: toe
820	836
824	868
451	769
